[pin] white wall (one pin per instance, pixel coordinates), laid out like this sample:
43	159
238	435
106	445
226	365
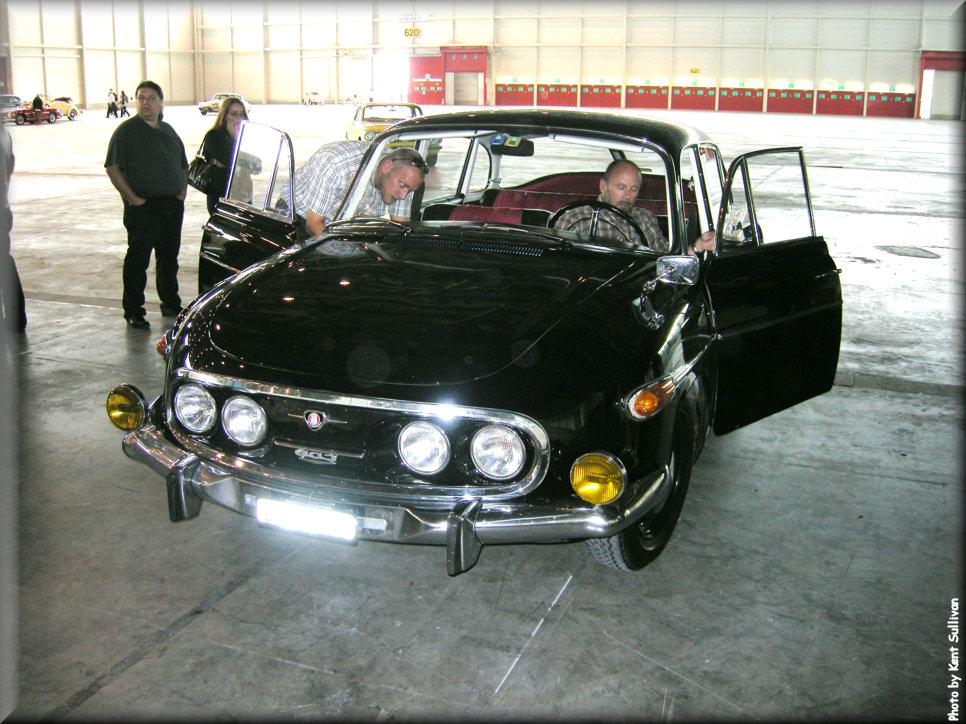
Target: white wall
276	50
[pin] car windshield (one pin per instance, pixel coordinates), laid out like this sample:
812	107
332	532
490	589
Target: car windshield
492	175
387	114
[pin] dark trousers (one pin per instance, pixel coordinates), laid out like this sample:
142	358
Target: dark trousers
11	293
153	226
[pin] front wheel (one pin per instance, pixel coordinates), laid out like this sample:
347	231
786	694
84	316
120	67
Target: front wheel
51	118
72	115
21	119
638	545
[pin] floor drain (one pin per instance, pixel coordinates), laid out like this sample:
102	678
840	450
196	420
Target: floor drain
910	251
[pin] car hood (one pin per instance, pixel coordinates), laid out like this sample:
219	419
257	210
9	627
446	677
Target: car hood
375	125
419	310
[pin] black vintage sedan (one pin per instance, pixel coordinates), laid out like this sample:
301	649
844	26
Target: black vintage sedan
478	375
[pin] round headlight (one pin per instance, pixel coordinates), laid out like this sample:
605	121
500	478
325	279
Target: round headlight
598	478
423	447
370	135
126	407
498	452
244	420
195	408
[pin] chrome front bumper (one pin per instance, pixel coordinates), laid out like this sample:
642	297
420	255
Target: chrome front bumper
463	528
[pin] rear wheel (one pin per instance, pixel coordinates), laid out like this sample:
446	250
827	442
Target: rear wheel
72	115
638	545
51	117
21	119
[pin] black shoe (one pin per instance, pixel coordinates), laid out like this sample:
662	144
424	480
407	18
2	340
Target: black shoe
167	311
137	322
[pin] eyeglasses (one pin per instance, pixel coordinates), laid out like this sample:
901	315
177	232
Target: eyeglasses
415	161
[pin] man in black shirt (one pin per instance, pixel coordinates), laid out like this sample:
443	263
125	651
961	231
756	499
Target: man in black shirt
147	164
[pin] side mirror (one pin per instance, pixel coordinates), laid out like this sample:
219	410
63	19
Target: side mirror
670	270
678	270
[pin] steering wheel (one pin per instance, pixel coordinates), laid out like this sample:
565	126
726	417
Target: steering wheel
595	207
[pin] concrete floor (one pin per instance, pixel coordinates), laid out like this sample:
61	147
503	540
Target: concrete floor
812	574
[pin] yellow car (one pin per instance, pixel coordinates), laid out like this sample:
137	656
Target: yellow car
371	119
66	107
214	103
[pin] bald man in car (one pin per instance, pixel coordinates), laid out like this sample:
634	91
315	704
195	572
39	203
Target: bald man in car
619	187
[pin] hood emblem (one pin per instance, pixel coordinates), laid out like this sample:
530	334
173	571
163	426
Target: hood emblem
315	419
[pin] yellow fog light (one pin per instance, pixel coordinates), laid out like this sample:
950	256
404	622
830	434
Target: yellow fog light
645	402
598	478
126	407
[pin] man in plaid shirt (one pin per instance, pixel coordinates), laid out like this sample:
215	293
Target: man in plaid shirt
321	183
618	187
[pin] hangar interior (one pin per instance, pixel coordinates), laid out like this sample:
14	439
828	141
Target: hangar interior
850	58
816	572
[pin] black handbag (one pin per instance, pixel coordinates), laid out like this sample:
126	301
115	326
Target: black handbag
207	177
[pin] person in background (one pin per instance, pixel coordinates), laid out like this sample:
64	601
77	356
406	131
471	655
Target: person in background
122	105
219	142
111	103
321	183
147	164
11	292
38	106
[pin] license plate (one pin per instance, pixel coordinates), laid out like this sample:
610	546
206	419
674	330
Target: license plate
306	519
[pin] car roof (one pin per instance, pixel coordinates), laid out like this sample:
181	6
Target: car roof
672	136
391	103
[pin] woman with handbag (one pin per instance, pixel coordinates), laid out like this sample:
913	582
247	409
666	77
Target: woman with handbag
219	144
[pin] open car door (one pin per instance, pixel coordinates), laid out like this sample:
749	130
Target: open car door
775	291
254	219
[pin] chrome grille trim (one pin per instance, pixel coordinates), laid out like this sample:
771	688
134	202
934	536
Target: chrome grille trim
425	491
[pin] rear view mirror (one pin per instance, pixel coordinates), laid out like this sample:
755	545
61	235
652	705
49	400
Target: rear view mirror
504	145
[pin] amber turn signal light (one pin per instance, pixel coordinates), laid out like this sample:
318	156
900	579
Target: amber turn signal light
647	401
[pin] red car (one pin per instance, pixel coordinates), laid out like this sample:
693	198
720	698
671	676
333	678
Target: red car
25	113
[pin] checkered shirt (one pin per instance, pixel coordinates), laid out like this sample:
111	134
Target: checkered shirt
607	222
322	181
